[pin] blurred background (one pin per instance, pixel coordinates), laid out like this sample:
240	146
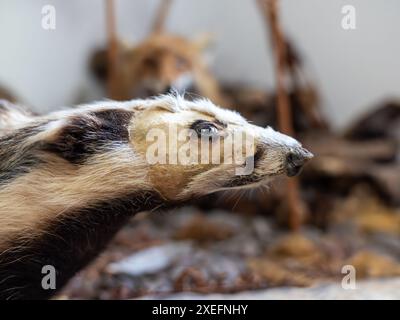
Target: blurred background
354	68
339	96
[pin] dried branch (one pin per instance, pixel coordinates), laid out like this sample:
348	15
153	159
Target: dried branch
285	116
112	51
304	88
161	16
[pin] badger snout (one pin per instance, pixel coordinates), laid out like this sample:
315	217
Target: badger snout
295	160
276	145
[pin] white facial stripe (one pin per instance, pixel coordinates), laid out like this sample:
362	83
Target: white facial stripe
270	134
223	115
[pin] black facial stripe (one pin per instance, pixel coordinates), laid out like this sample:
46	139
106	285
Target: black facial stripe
77	141
85	136
15	160
258	155
68	244
20	168
197	122
216	123
220	123
243	180
239	181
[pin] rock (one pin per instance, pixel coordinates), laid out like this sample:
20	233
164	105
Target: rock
379	221
150	260
371	264
382	122
295	245
276	274
201	229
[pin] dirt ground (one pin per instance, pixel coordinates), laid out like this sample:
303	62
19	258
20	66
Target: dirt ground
190	250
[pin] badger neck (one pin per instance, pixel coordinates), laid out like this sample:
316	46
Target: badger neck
67	243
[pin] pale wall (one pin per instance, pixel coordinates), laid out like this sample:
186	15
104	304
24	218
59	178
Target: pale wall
354	69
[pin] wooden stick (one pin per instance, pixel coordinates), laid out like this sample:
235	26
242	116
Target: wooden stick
161	16
112	52
285	116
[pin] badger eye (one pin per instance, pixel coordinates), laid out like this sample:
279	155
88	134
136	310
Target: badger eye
208	131
205	128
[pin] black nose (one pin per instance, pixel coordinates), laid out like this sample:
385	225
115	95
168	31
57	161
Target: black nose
295	161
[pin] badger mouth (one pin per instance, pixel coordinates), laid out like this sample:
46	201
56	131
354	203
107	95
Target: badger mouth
245	181
291	165
253	179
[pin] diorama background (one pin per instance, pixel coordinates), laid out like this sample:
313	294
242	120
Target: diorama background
354	68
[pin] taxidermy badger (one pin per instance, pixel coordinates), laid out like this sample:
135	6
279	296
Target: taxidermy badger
70	180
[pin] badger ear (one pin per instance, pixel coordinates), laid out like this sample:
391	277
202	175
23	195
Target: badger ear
81	136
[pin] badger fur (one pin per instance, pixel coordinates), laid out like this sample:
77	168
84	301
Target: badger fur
71	179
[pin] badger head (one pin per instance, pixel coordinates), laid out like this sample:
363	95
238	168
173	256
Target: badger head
194	148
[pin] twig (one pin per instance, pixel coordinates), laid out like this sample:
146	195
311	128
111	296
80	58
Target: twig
161	16
285	116
112	52
304	88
